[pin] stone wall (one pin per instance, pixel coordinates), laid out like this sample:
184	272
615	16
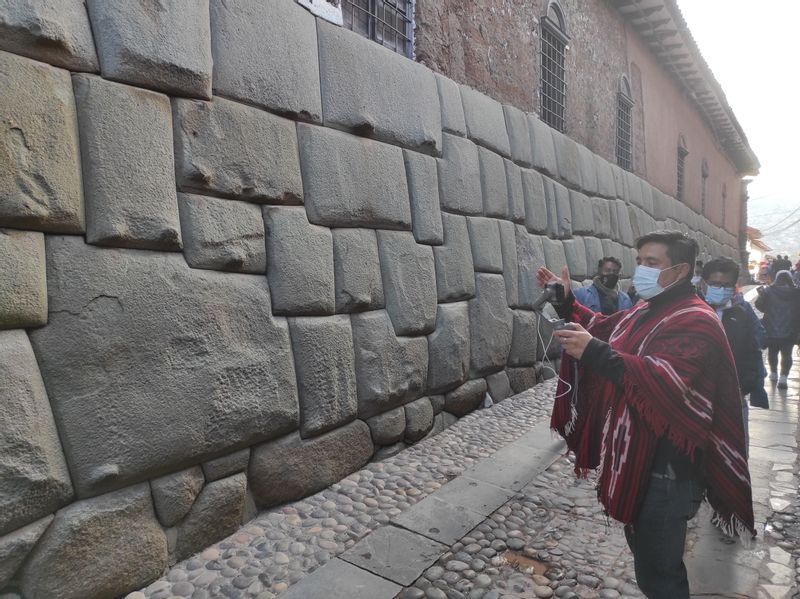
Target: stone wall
235	266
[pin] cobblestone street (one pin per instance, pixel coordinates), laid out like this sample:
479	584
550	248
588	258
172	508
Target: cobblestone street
490	509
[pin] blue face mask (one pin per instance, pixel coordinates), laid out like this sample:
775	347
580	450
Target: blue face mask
718	296
645	280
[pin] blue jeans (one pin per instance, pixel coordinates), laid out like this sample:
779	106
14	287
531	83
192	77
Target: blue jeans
658	535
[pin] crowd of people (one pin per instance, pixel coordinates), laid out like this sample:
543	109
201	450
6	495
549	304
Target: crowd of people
769	268
655	387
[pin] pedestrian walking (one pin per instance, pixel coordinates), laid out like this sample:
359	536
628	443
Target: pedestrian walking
603	294
650	397
780	303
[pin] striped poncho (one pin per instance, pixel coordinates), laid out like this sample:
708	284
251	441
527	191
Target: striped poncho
680	383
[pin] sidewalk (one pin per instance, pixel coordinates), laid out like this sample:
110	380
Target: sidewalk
490	509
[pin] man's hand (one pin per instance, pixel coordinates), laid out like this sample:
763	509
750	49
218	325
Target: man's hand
545	276
574	339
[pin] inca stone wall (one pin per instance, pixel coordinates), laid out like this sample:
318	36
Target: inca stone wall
243	252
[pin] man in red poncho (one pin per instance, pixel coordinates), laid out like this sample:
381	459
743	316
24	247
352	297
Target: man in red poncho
650	398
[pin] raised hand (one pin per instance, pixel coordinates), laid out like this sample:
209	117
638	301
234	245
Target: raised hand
545	276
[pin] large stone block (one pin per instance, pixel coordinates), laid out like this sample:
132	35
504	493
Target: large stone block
582	213
620	182
634	188
54	31
390	370
455	279
559	209
629	256
353	182
423	185
490	325
164	46
292	468
530	256
40	170
516	193
499	387
194	348
217	513
626	236
128	165
34	479
568	158
486	124
544	152
265	54
601	212
594	252
647	197
235	151
419	419
460	176
389	427
361	83
226	465
299	263
554	255
15	547
357	270
174	494
452	108
536	214
524	339
575	253
23	286
522	379
494	186
484	236
448	348
100	547
326	377
519	135
606	187
588	170
222	234
508	244
409	282
466	398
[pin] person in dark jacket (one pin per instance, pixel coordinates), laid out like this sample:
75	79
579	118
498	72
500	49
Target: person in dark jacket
780	303
602	295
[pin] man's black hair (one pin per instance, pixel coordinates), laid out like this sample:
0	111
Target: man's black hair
681	249
608	259
723	265
698	263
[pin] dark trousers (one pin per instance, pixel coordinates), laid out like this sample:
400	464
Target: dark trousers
784	348
658	536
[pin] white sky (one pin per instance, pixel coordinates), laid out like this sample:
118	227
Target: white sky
753	49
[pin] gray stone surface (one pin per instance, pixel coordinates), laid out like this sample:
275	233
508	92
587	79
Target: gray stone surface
265	54
460	176
226	465
162	46
216	513
437	402
423	187
606	187
353	182
326	377
508	244
522	378
575	254
389	427
439	520
494	186
448	347
536	213
498	386
299	263
419	419
161	358
620	182
23	286
514	466
647	196
390	370
530	256
53	31
519	135
466	398
395	554
629	256
409	282
100	547
475	495
524	339
601	211
486	124
582	213
455	279
389	451
222	234
544	153
15	547
568	158
624	224
291	468
127	163
357	270
452	108
340	580
235	151
40	176
559	209
360	84
174	494
34	479
484	236
594	252
516	193
588	170
554	254
490	325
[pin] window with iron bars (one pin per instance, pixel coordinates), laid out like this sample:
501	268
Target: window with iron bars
553	85
682	152
624	132
387	22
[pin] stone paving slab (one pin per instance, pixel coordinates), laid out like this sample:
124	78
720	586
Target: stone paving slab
438	520
339	580
513	467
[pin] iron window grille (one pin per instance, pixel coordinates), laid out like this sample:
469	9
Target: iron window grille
553	84
624	132
387	22
682	152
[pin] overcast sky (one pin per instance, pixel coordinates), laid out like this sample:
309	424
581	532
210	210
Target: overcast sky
752	48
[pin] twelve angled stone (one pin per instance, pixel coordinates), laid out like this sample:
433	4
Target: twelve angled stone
235	151
128	165
494	186
220	391
40	175
357	270
455	278
163	46
484	235
490	325
23	286
460	176
466	398
452	108
174	494
486	124
423	185
448	347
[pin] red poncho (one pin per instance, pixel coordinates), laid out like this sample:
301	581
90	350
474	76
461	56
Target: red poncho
680	382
